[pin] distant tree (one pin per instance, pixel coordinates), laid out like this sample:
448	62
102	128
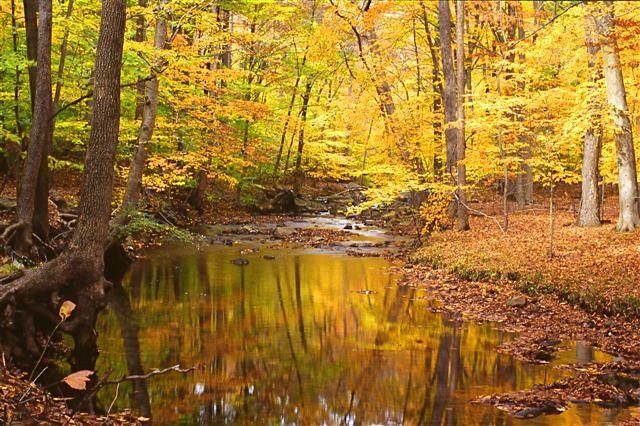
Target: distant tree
149	112
461	144
602	15
589	203
32	211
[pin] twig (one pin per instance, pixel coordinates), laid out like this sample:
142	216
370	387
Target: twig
479	212
165	218
114	400
43	243
46	345
152	373
32	383
11	229
97	386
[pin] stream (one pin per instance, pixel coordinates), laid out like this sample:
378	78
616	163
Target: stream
306	336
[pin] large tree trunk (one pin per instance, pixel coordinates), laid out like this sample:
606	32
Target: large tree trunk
133	190
589	202
602	13
461	170
449	89
77	273
31	206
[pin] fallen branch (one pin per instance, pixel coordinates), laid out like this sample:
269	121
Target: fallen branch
9	230
155	372
483	214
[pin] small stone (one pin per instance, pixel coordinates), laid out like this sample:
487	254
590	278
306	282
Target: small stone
240	261
348	226
517	301
268	257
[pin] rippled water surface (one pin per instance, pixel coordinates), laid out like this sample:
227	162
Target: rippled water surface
308	338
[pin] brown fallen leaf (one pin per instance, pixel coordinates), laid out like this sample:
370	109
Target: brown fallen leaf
66	308
78	380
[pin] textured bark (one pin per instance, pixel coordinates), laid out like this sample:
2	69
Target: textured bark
78	272
34	172
31	27
589	201
628	220
133	190
449	88
461	171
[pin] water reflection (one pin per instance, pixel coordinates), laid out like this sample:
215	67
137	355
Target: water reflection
299	340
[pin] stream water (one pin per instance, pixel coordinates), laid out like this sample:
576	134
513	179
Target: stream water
306	337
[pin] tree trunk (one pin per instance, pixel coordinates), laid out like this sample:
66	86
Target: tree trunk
63	57
589	201
12	154
449	89
225	55
524	177
31	27
140	36
436	84
34	170
303	118
78	271
461	170
133	190
602	13
287	120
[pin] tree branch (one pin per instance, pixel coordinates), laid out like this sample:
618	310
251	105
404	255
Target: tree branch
152	373
90	94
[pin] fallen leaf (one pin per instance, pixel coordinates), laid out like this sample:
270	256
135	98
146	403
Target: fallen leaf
66	308
79	379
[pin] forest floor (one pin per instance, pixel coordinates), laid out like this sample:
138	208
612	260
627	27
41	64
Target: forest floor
587	291
594	268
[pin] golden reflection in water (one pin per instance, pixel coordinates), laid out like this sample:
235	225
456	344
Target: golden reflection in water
299	340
